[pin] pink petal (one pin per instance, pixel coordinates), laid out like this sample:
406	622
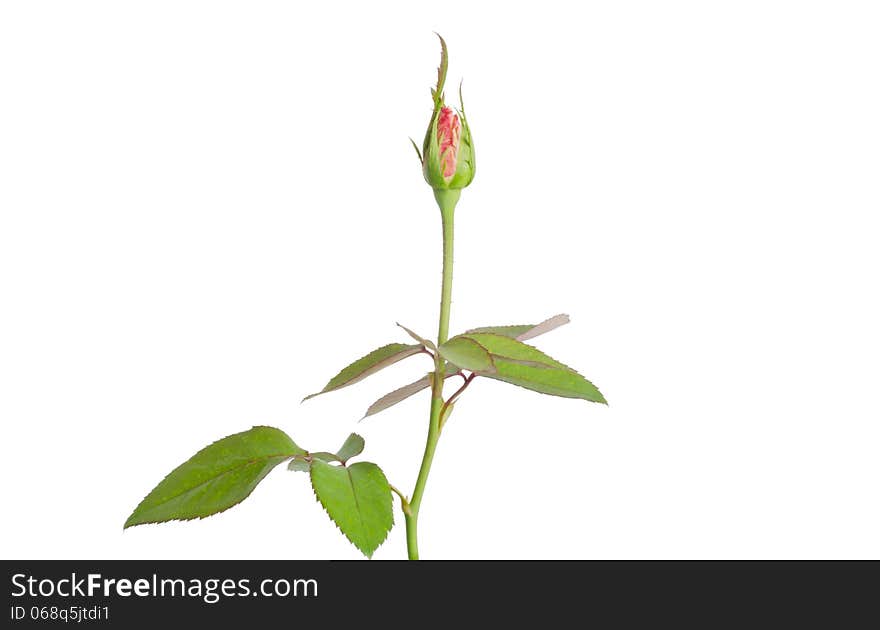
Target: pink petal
449	136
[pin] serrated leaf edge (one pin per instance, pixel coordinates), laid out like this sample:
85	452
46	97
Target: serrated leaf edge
537	365
281	458
409	351
521	361
327	512
602	400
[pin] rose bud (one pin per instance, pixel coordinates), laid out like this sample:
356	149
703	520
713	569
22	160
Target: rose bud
448	152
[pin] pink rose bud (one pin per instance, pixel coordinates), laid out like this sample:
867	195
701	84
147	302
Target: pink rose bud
449	137
448	152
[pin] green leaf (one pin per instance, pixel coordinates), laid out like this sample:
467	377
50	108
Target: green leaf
501	346
526	331
369	364
323	456
353	445
521	364
358	499
217	477
553	381
299	464
508	331
467	353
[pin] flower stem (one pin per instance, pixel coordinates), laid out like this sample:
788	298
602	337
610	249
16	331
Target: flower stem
447	203
447	200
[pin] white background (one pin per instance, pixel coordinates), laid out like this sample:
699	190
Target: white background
208	208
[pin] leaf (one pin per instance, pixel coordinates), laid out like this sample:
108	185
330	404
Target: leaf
554	381
420	339
353	445
526	331
401	394
398	395
508	331
521	364
546	326
369	364
217	477
467	353
358	499
299	465
501	346
323	456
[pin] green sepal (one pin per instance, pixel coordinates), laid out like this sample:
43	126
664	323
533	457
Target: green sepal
466	168
416	147
431	167
437	92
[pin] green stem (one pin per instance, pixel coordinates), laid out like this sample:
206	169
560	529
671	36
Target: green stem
447	203
412	519
446	199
